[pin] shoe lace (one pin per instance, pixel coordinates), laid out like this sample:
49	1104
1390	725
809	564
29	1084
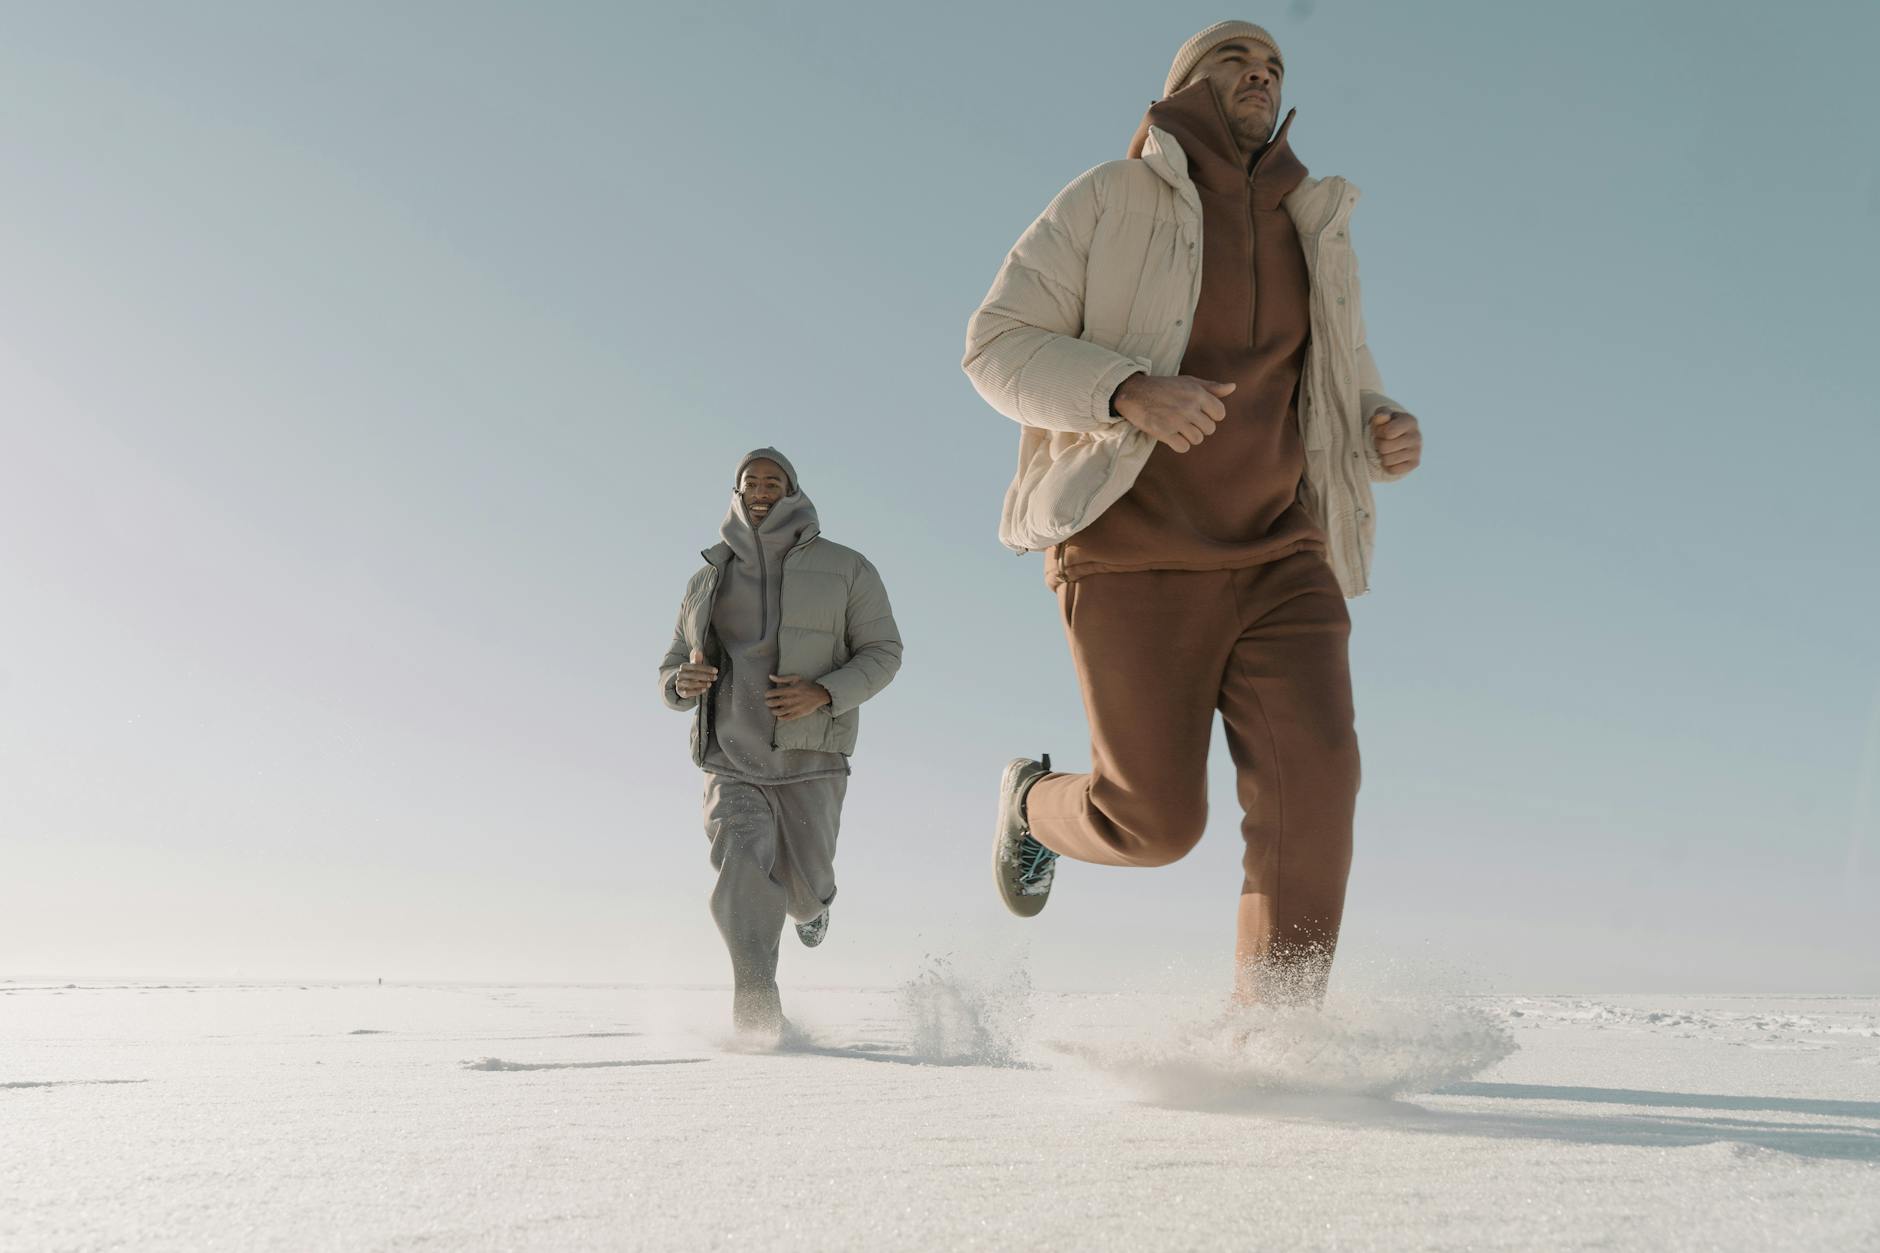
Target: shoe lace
1036	865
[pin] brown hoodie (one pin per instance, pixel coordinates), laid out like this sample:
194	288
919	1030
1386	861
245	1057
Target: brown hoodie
1232	502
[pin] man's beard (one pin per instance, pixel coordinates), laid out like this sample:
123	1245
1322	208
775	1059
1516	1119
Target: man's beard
1252	136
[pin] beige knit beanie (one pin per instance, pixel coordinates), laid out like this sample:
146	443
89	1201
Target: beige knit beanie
1206	42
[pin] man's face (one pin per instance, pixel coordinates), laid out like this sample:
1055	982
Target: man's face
762	486
1247	78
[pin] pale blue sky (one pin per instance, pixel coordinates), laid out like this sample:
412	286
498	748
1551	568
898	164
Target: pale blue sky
370	377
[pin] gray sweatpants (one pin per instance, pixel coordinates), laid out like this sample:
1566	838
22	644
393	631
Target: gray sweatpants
774	848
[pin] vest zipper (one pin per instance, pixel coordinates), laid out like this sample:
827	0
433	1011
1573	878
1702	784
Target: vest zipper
763	588
763	617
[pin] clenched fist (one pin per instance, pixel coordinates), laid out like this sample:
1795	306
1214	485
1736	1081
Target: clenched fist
694	677
1180	411
793	698
1399	440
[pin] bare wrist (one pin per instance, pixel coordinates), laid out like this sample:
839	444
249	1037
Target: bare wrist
1119	396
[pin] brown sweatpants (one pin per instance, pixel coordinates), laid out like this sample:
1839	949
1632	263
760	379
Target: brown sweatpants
1157	652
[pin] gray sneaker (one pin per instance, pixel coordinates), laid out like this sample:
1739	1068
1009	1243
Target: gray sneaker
813	931
1022	867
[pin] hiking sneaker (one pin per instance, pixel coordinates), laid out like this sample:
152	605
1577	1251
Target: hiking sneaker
813	931
1021	866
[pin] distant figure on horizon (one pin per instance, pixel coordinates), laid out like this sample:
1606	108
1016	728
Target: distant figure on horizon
781	637
1179	338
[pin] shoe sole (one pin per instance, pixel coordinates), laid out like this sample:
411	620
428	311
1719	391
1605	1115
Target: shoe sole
1010	822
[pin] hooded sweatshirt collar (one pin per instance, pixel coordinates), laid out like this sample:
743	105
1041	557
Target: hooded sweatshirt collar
791	521
1196	119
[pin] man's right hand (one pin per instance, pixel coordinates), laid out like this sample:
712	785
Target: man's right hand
694	677
1180	411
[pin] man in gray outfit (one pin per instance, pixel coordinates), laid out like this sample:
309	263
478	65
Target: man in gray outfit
781	636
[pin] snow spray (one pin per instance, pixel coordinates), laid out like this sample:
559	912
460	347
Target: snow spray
1369	1044
957	1019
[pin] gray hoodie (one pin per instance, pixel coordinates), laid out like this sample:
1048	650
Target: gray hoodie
746	619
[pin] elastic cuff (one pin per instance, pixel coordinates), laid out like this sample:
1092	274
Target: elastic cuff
1107	383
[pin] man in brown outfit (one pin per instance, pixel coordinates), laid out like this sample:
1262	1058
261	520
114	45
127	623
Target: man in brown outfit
1207	582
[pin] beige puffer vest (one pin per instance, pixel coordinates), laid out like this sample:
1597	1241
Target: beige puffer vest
1103	285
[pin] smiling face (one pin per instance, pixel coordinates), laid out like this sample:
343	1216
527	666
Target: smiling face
1247	77
761	486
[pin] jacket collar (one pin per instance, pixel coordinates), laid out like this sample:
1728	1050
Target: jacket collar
1196	119
1314	205
719	555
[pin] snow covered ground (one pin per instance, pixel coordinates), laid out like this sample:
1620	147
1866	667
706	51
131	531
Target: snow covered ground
945	1114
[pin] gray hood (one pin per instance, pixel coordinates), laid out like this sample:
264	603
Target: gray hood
792	521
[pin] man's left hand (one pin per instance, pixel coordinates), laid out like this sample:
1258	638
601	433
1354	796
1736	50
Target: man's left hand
794	698
1399	440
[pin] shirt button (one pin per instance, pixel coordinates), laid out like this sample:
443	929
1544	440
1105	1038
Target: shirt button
1341	300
